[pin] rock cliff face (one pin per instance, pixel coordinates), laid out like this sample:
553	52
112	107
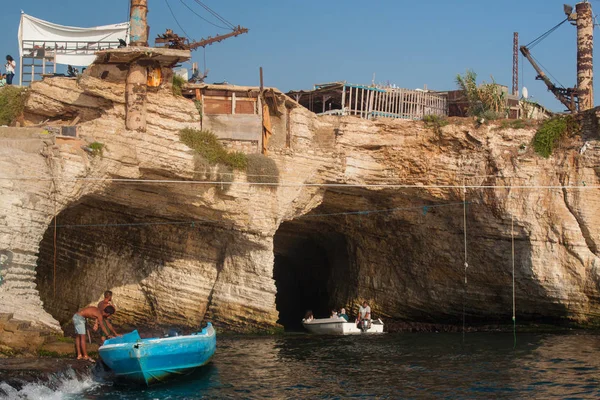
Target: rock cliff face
363	210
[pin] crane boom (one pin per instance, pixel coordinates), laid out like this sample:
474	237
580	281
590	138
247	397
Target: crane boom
210	40
174	41
565	96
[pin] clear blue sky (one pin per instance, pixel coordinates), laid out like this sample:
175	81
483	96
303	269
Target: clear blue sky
300	43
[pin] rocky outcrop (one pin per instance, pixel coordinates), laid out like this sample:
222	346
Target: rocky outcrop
363	210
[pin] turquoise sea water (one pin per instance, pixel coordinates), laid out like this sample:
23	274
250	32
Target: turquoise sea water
395	366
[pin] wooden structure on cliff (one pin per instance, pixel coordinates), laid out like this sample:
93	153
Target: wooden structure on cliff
341	98
236	113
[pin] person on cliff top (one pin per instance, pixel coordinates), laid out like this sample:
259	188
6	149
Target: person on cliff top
10	66
79	323
107	301
3	80
342	314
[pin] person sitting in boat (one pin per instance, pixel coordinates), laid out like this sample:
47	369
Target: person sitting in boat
334	314
364	316
342	314
308	316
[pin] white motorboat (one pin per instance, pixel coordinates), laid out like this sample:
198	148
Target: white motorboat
339	326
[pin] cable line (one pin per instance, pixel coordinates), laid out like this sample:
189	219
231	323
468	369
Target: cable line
175	18
547	71
544	35
201	17
215	14
205	220
514	319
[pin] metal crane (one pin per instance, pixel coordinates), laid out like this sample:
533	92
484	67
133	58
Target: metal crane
174	41
567	96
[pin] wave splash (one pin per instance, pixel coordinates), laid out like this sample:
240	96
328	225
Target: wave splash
57	387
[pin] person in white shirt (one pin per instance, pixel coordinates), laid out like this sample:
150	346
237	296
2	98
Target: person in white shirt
10	66
364	311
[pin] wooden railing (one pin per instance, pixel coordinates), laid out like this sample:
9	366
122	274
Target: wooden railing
368	102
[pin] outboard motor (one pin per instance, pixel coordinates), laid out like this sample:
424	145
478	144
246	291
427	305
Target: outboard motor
364	325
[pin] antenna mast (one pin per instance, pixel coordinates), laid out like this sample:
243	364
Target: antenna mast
515	74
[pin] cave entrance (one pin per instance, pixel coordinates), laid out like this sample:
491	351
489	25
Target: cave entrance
311	271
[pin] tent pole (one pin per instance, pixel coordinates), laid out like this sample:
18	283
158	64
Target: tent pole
21	51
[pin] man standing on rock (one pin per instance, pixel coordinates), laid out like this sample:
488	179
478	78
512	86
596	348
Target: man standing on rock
79	323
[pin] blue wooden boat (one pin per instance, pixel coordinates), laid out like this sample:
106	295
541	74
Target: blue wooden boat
154	360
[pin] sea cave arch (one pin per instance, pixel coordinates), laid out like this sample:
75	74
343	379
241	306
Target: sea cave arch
312	270
404	251
163	273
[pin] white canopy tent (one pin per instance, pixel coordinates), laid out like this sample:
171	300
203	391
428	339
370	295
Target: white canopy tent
67	45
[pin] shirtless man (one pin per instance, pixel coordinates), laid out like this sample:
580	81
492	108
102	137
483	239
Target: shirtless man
79	323
107	301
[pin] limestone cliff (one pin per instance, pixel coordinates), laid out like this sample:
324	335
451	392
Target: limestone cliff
363	210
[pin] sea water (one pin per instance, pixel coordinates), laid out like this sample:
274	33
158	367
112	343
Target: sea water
395	366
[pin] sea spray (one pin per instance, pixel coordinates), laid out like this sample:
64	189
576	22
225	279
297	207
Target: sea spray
58	386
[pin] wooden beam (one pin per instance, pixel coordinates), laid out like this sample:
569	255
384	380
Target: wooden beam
344	100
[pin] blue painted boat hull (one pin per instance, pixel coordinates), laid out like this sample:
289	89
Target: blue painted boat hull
154	360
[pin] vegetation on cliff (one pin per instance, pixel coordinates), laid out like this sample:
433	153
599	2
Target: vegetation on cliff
260	169
206	144
435	123
178	83
12	103
486	101
551	132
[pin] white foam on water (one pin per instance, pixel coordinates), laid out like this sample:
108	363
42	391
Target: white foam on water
55	389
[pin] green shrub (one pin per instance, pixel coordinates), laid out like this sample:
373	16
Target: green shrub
435	120
515	124
207	145
97	148
178	83
549	135
198	105
236	160
485	101
210	153
12	103
204	143
262	169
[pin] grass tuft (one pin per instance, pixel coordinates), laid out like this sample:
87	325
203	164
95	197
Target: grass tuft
178	83
207	145
97	148
552	131
12	104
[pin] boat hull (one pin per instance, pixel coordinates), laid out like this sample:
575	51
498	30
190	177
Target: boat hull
337	326
154	360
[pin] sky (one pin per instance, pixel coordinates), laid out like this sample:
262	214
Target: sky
300	43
